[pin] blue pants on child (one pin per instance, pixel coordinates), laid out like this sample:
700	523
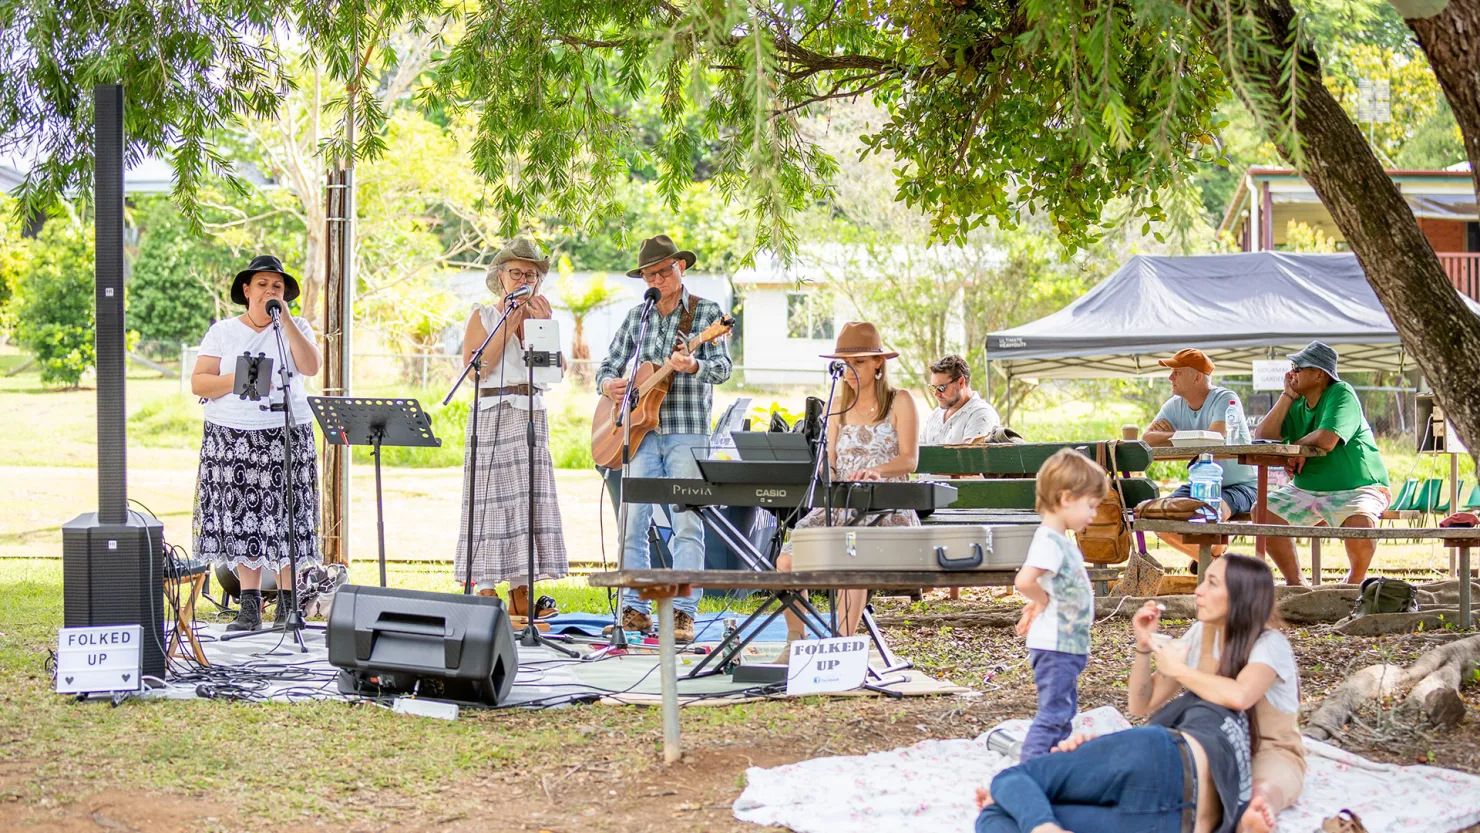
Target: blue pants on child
1124	782
1057	677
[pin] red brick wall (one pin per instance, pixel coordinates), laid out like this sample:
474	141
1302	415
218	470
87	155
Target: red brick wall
1444	235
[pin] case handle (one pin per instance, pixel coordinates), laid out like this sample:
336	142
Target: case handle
970	562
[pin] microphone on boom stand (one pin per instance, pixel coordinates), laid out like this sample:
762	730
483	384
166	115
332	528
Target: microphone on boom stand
275	310
618	639
522	292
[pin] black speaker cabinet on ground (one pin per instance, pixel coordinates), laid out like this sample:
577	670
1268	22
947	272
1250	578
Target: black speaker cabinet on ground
113	574
444	646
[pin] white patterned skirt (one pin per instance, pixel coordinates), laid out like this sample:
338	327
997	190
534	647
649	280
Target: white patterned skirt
240	517
502	492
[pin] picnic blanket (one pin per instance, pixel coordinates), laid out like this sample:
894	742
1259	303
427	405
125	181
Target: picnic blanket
931	786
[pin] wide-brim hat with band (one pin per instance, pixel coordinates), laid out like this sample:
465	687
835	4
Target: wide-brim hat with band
658	249
520	248
263	263
859	338
1317	355
1194	359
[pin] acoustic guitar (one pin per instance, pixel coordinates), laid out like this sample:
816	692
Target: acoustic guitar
653	381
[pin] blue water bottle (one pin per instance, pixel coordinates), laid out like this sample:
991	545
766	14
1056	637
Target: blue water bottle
1206	482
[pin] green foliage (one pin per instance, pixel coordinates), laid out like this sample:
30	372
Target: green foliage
179	281
54	315
15	254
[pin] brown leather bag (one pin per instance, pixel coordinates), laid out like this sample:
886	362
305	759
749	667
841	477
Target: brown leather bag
1172	509
1107	539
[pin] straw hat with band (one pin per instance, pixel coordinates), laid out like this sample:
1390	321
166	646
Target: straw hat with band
520	248
263	263
658	249
859	338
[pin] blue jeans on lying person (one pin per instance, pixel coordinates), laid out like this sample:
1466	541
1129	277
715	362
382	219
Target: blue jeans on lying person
1056	674
1124	782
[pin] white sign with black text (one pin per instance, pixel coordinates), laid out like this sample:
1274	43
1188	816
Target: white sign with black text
817	666
1270	375
98	659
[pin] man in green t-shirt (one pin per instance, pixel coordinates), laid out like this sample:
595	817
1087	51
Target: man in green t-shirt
1349	485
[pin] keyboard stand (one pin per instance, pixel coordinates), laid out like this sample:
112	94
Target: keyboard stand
733	644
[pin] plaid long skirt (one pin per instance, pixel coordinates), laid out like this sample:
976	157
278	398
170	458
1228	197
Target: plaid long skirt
501	496
240	508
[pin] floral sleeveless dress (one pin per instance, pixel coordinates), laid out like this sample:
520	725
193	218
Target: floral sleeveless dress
861	447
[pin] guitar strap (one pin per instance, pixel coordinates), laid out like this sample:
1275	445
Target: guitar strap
686	323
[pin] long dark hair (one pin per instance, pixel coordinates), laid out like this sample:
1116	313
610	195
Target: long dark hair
1250	587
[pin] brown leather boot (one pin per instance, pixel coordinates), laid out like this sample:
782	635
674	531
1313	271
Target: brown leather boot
683	627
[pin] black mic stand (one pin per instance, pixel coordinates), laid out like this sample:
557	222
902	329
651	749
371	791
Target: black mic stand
618	638
531	636
475	364
293	621
822	473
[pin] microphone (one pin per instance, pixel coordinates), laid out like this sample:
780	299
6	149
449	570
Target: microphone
836	367
522	292
274	308
652	295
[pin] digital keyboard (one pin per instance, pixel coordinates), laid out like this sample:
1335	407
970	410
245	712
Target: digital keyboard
866	496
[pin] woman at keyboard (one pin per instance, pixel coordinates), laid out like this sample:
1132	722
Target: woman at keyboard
871	435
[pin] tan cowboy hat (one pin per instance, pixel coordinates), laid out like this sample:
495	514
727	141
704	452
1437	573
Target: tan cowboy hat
520	248
859	338
658	249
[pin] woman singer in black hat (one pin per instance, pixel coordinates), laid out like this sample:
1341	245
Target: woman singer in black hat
240	507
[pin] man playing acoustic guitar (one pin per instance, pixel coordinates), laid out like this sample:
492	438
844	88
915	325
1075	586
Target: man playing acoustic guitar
683	421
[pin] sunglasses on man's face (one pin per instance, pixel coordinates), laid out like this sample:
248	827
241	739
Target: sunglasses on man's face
942	388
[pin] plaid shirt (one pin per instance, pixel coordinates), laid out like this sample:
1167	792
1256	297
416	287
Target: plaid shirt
686	407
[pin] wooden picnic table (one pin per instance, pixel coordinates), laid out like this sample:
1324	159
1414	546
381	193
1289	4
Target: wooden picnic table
661	586
1259	455
1206	536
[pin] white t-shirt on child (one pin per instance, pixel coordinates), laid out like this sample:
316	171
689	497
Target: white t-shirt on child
1065	624
227	340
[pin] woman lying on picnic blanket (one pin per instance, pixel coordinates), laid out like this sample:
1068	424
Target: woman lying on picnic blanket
1190	770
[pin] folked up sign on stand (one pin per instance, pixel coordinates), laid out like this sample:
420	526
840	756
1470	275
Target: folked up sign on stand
818	666
98	659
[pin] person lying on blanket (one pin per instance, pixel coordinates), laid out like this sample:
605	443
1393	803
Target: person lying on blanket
1192	770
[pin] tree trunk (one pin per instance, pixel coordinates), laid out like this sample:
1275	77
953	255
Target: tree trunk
580	352
1451	40
1434	324
1434	678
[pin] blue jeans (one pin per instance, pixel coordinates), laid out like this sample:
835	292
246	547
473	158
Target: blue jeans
1125	782
1057	677
664	455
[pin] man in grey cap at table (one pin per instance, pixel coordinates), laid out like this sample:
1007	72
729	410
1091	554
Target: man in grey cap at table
1348	487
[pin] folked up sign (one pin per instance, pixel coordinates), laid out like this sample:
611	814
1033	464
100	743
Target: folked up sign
104	658
816	666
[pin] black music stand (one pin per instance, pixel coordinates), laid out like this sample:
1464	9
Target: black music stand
354	420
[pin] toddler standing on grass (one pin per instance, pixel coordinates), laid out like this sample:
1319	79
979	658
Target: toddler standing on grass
1061	601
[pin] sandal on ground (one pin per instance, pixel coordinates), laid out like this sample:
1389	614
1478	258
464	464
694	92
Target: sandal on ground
1343	822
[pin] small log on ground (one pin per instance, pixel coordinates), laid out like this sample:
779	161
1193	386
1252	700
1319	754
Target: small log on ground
1437	696
1124	607
1428	680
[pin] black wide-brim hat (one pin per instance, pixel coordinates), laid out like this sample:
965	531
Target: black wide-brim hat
263	263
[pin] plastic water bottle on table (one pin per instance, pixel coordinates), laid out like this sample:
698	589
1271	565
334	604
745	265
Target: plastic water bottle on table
1206	482
1235	426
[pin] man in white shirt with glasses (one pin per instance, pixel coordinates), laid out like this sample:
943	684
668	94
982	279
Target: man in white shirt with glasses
960	414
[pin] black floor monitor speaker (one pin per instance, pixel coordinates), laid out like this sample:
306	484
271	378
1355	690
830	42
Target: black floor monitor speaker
441	645
113	574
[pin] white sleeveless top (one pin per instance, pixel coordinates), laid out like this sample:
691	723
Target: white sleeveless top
510	369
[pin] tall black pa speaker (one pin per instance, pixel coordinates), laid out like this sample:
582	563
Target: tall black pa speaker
112	560
441	645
